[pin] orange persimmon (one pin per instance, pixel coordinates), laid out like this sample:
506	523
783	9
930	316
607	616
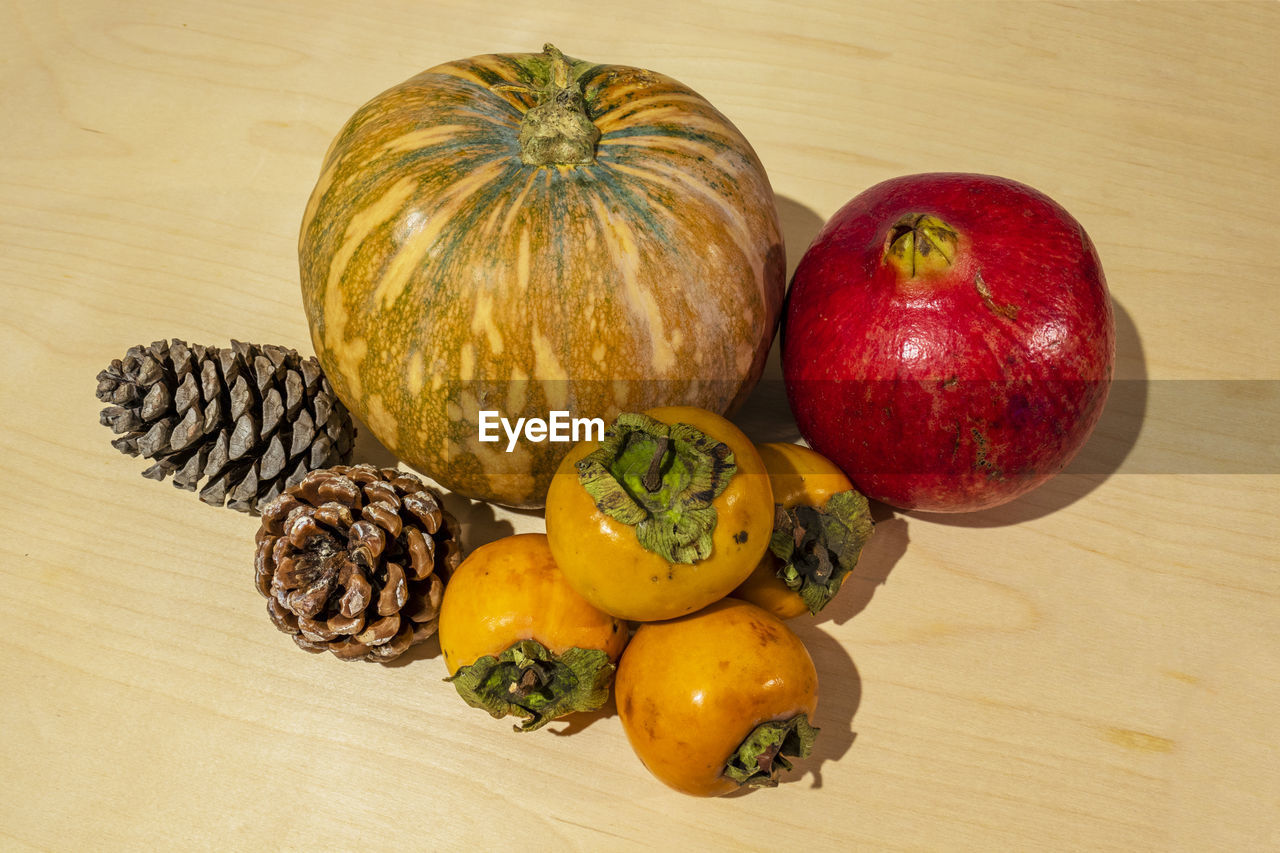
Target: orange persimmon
517	640
715	700
666	515
820	529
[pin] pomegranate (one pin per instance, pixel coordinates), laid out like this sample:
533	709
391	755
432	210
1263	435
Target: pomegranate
948	341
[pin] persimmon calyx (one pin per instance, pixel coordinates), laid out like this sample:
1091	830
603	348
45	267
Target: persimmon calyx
759	757
661	479
528	681
819	546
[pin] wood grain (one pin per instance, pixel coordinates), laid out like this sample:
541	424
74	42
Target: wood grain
1092	667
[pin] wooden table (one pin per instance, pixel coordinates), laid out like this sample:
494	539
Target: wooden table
1092	667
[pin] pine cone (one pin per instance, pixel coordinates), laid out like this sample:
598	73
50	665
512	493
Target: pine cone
252	419
354	560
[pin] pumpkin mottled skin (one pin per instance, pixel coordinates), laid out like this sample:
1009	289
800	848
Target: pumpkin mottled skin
442	276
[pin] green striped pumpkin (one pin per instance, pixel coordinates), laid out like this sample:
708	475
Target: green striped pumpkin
528	232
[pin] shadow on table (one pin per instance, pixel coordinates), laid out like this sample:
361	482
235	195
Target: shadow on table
887	545
575	723
766	415
369	449
477	519
841	692
428	649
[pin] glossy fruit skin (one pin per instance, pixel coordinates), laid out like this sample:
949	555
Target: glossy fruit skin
798	476
442	276
511	590
690	690
602	559
957	391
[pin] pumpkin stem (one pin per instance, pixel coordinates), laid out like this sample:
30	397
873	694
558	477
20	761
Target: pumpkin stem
557	131
661	479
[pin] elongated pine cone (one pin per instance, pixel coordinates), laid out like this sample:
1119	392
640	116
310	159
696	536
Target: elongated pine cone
355	560
252	420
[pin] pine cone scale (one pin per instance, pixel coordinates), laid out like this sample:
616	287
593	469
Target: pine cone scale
384	516
274	459
214	492
356	598
188	474
188	430
292	394
421	553
159	471
282	618
421	608
345	649
379	631
156	438
157	402
395	593
424	630
273	411
427	512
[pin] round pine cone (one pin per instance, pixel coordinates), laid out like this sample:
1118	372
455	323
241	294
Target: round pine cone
354	560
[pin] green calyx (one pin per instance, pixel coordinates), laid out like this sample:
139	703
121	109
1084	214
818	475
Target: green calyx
530	682
758	758
556	131
819	546
661	479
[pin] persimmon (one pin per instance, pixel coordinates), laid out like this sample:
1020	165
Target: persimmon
518	641
667	514
717	699
821	525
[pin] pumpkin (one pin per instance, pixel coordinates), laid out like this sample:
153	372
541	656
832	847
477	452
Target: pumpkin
527	233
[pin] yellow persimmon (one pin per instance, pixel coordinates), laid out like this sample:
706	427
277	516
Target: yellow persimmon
517	640
717	699
666	515
821	526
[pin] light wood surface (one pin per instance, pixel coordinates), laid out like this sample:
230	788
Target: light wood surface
1093	667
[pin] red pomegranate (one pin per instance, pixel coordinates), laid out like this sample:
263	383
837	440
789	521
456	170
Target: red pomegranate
948	341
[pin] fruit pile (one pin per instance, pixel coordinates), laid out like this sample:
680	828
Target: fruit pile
675	522
530	234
